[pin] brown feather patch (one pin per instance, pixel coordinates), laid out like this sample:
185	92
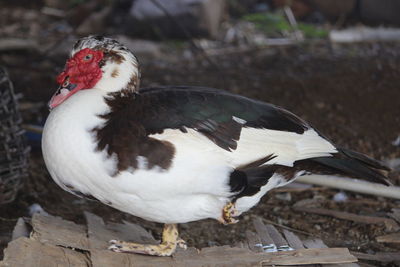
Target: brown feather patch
115	73
124	136
133	83
114	56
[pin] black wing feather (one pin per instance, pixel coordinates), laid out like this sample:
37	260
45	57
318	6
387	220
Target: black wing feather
211	112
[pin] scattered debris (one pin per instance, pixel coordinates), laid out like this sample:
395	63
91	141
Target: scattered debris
36	208
309	202
396	142
394	164
285	196
340	197
395	214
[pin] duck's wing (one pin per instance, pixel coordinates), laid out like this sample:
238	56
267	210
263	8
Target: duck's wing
217	114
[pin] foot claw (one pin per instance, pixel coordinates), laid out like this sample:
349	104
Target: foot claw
181	243
166	248
228	214
115	248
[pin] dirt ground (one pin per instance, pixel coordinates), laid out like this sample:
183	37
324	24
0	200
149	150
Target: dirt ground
350	93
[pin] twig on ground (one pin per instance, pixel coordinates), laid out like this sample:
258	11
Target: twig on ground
7	44
298	35
389	223
352	185
8	220
390	238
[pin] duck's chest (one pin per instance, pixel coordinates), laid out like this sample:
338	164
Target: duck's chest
68	146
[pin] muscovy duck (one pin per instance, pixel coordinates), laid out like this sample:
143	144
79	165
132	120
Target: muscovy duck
175	154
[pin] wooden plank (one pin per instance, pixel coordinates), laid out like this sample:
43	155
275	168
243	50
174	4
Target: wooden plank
363	264
132	232
390	224
254	241
379	256
215	256
276	236
262	231
181	254
311	256
293	240
56	231
20	229
221	256
100	234
25	252
318	243
390	238
32	253
102	258
342	265
227	256
241	244
314	243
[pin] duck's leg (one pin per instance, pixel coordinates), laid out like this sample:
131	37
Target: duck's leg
228	213
170	241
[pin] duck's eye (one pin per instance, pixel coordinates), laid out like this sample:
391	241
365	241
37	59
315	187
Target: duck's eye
88	57
66	82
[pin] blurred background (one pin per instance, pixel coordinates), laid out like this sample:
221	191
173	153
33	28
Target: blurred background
334	63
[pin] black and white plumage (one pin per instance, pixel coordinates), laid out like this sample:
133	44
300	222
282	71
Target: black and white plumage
175	154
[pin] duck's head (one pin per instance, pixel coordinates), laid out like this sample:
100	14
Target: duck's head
97	63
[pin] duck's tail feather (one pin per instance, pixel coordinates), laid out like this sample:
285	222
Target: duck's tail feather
356	165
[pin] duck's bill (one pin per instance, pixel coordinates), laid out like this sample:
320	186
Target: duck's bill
62	93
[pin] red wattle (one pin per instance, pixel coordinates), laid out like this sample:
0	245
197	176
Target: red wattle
82	70
86	73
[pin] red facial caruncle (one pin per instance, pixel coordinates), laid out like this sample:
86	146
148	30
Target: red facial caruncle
82	71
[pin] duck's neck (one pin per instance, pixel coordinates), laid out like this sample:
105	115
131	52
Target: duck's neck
120	75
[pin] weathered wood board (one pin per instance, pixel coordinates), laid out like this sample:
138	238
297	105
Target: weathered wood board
57	242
